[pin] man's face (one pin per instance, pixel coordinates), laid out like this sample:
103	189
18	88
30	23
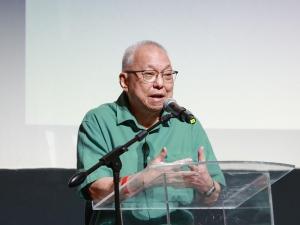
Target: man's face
143	96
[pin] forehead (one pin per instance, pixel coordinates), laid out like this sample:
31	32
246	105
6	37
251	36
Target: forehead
150	56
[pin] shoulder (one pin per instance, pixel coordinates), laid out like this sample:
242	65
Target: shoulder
102	113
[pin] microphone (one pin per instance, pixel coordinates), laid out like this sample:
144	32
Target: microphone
171	106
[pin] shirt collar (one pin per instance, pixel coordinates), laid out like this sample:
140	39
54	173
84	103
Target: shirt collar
124	116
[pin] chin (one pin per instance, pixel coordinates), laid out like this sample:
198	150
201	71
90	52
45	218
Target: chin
155	108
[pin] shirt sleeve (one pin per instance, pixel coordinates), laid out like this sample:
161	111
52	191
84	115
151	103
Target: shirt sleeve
91	146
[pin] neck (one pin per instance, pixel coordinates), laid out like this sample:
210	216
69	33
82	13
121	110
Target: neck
147	119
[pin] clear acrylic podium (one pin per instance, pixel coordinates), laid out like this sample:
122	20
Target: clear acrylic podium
245	199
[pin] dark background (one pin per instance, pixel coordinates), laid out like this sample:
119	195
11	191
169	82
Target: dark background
42	197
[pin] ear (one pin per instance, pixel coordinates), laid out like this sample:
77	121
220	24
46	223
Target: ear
123	80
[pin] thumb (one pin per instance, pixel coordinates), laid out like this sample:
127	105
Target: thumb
201	156
161	156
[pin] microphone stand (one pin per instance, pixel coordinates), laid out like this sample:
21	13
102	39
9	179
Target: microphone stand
112	160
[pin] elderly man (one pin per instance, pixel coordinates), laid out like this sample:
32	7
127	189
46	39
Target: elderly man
147	80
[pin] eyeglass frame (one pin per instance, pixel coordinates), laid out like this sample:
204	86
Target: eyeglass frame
174	74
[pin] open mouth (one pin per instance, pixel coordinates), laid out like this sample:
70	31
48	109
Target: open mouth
157	96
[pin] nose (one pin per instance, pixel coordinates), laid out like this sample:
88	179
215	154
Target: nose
159	81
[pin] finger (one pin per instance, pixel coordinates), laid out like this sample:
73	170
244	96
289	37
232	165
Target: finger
161	157
201	156
193	167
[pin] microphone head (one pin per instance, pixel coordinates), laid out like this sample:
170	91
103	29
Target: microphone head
171	106
167	102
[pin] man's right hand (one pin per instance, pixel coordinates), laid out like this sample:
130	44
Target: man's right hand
152	176
160	158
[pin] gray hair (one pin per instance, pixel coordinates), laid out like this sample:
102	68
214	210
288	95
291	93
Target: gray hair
130	51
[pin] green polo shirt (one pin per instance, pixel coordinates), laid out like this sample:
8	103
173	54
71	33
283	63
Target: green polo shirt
111	125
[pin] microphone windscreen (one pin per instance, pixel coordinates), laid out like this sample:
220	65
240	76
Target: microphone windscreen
167	103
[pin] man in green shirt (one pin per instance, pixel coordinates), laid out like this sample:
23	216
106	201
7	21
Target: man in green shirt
147	80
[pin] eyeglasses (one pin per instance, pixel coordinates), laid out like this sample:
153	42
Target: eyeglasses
150	76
